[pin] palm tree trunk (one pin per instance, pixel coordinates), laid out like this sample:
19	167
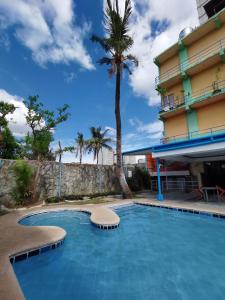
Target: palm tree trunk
80	156
120	173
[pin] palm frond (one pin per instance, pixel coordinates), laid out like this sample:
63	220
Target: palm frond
133	59
101	41
127	14
125	66
105	61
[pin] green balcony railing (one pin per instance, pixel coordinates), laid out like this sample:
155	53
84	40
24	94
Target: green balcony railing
171	102
195	59
194	134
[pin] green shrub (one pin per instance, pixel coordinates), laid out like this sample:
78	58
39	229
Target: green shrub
140	180
24	173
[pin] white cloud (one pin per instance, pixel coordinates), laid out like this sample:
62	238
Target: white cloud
17	121
144	135
69	77
178	14
111	132
48	29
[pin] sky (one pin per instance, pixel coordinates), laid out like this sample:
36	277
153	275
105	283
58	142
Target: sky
45	50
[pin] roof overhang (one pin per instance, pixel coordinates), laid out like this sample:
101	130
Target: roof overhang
191	38
209	148
143	151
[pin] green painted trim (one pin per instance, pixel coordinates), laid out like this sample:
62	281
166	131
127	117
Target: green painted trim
217	22
222	55
192	121
181	45
192	118
156	62
184	75
183	54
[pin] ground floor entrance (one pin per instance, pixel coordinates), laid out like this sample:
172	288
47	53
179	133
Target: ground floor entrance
214	174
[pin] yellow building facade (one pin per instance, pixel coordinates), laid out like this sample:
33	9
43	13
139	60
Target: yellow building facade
191	82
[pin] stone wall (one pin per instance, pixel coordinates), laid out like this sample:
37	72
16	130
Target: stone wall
65	179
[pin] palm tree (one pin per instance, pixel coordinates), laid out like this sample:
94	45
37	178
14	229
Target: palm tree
80	146
60	151
116	45
98	141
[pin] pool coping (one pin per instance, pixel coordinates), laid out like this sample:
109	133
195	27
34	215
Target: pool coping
31	238
183	207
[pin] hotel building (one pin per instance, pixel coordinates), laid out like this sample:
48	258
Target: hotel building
191	84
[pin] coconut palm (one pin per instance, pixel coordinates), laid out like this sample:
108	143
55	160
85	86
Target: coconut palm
98	141
80	146
60	151
116	45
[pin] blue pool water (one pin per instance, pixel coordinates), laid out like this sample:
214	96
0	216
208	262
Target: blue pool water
154	254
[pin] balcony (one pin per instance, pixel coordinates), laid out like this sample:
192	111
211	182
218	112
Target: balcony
211	92
208	132
170	103
175	104
194	64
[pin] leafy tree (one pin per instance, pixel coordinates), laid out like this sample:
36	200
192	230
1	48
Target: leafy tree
5	109
140	179
116	45
9	148
80	146
24	173
98	141
8	145
42	123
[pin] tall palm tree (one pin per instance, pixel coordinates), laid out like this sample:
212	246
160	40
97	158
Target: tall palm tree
116	45
98	141
80	146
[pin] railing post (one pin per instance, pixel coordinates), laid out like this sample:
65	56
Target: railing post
159	195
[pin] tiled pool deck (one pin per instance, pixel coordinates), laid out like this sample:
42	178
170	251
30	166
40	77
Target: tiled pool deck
18	241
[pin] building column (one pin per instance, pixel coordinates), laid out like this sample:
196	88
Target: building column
159	195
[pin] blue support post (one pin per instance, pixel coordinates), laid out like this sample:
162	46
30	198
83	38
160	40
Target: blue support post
159	195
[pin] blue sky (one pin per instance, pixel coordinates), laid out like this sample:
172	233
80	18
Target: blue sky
45	49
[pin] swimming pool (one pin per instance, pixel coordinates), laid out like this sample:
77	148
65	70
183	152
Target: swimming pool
154	254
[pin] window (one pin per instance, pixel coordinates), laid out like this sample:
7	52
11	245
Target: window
213	7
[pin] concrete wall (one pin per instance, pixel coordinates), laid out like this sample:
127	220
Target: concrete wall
169	64
76	180
212	115
206	41
205	79
176	125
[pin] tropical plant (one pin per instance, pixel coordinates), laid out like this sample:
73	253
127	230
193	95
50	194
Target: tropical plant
5	109
80	146
9	148
140	179
98	141
116	44
161	91
59	152
8	145
42	123
23	173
